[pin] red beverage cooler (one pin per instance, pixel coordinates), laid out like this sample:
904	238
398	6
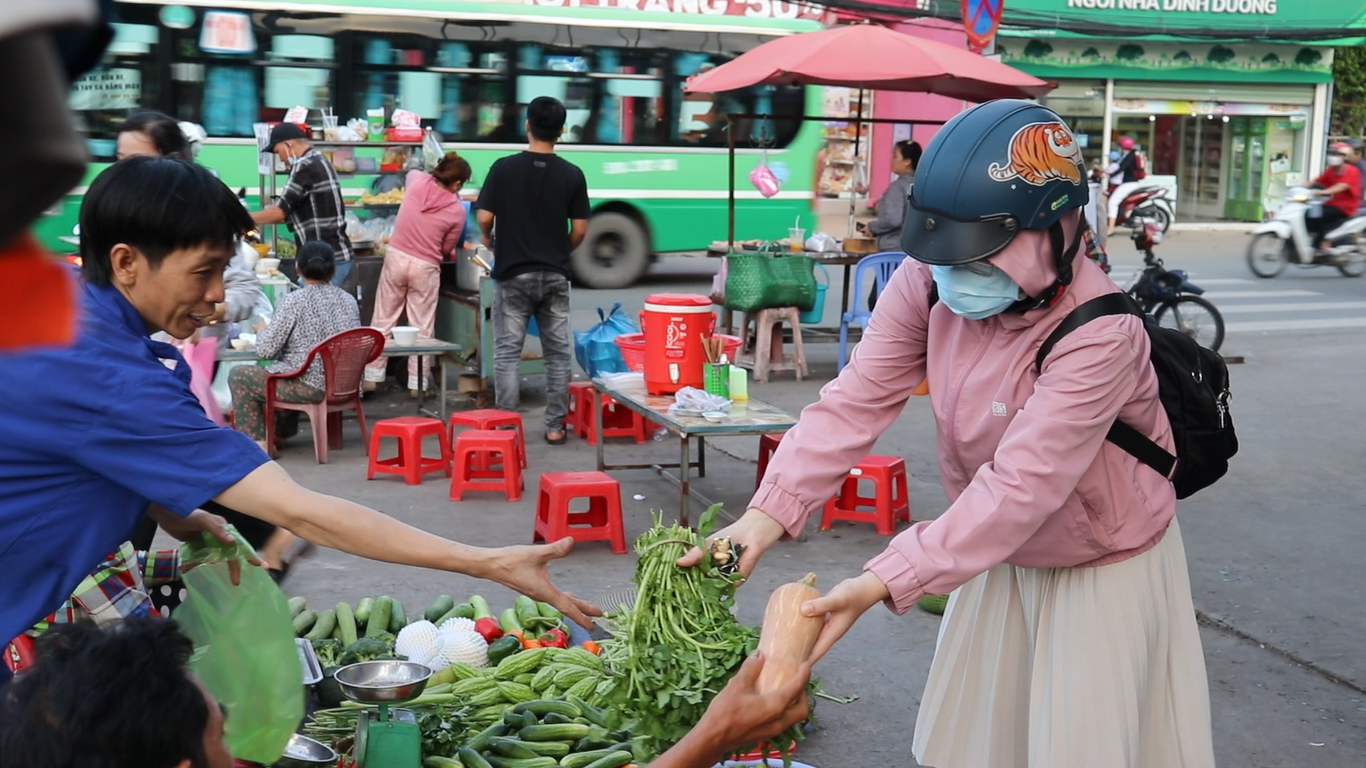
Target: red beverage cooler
674	324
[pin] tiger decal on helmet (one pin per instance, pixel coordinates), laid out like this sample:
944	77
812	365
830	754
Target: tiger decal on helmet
1040	153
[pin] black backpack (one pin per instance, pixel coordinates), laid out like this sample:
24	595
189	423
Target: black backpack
1193	386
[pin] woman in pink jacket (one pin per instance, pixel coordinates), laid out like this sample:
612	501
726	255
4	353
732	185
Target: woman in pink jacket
1070	638
426	231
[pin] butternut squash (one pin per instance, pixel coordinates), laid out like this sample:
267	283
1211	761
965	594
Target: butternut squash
787	636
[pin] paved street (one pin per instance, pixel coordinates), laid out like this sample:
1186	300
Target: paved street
1274	548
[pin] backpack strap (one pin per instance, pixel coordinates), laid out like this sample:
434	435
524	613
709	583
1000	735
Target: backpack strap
1128	439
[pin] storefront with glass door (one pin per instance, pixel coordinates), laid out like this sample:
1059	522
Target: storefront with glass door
1227	125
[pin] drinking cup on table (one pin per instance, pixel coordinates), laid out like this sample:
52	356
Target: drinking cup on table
796	239
405	335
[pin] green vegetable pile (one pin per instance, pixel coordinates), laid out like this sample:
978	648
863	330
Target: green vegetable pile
679	644
545	733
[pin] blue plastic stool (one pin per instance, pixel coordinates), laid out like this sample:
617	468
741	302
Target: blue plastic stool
881	265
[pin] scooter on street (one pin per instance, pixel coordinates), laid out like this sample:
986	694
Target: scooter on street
1285	240
1169	295
1148	203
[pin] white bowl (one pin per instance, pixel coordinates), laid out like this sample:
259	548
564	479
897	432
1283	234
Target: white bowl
405	335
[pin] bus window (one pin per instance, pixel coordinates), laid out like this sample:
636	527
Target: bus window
456	87
289	80
700	118
124	82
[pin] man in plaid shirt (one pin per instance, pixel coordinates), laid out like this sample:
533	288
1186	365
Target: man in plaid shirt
312	201
117	589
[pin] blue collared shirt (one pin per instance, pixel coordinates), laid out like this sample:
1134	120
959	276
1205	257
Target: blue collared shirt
89	436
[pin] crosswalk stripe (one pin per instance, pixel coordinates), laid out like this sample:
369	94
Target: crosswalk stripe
1307	306
1290	293
1255	326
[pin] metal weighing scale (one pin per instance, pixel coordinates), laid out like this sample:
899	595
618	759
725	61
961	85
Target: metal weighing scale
389	737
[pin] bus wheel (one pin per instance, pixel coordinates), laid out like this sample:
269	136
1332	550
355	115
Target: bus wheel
614	254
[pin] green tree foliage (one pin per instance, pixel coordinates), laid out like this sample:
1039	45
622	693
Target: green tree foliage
1349	92
1271	58
1308	57
1090	53
1181	56
1037	49
1221	54
1129	52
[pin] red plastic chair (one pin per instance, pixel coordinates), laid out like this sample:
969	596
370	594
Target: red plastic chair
344	357
19	653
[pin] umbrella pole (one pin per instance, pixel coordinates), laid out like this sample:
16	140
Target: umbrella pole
730	184
858	140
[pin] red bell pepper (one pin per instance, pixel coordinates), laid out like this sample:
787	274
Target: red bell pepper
488	629
555	638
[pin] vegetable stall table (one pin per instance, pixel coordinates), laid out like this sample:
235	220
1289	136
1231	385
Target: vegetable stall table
434	347
825	258
746	417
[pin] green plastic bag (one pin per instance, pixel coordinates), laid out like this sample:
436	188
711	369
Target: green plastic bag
244	646
757	281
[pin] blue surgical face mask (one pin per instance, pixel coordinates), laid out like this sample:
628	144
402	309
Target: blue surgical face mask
975	291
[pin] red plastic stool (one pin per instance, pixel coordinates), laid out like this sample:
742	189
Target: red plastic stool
617	421
579	419
472	460
410	463
767	445
602	521
488	418
889	503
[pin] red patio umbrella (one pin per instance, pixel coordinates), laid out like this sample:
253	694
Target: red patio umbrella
872	57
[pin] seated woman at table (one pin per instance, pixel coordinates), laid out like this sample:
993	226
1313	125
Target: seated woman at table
304	318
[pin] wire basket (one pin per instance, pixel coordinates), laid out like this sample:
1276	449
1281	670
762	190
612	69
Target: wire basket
632	346
934	603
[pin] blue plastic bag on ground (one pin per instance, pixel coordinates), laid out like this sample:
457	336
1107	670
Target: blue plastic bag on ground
596	348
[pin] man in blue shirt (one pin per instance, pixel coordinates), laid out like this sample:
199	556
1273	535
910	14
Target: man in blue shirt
94	436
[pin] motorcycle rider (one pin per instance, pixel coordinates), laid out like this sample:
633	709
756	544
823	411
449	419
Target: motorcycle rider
1357	159
1340	182
1130	169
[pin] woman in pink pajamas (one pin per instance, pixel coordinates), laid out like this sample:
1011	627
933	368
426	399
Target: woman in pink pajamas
1070	638
427	230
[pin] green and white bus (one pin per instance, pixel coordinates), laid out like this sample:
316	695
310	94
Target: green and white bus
655	158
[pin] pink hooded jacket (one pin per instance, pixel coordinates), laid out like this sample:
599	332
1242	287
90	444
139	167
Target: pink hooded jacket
1022	457
429	220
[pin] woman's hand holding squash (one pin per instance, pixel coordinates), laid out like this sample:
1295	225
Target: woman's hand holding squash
842	606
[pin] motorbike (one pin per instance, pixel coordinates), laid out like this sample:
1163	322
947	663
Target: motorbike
1146	204
1285	240
1169	295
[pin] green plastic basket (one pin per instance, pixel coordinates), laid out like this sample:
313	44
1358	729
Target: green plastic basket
934	603
716	379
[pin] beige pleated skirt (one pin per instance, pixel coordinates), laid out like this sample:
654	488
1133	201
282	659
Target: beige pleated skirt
1070	668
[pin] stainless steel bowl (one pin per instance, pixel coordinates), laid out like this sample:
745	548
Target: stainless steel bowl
389	682
303	752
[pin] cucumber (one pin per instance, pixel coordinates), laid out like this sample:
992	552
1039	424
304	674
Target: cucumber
584	759
398	619
481	740
543	707
614	760
346	624
326	624
438	608
511	748
297	605
509	622
524	608
562	732
471	758
513	720
304	622
363	609
522	762
529	718
555	749
436	761
555	718
379	617
464	610
481	608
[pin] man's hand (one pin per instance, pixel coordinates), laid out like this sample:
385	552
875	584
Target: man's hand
740	716
197	522
842	606
523	569
755	531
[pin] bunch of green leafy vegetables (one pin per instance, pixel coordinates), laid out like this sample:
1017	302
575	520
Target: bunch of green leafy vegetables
679	644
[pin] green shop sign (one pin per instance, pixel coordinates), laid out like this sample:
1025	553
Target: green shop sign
1069	57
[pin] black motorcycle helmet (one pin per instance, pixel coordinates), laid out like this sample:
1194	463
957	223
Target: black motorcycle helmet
991	171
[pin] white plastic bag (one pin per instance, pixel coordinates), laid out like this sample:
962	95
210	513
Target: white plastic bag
690	401
822	242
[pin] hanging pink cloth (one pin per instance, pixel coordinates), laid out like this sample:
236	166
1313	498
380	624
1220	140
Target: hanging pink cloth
200	356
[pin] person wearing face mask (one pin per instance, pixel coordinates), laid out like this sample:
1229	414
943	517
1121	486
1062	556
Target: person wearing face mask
1340	182
312	201
1070	637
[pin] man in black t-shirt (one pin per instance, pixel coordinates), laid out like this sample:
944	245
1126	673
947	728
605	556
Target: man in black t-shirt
538	202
